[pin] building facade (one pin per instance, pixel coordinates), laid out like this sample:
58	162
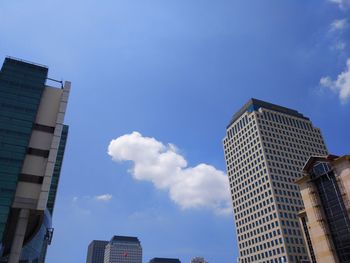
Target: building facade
325	189
266	146
96	251
164	260
123	249
32	143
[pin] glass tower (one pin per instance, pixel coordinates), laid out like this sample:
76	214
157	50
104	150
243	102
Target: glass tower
32	142
266	146
96	251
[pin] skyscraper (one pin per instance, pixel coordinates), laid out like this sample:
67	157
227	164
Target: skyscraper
32	143
123	249
265	148
96	251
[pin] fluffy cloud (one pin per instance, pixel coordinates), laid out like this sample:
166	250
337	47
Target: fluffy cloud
340	45
104	197
202	186
338	24
341	85
341	3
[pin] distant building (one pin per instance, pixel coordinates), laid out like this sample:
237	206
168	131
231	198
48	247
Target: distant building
32	144
266	146
123	249
165	260
96	251
198	260
325	189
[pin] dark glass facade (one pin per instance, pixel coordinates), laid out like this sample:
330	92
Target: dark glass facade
335	211
96	251
308	239
21	87
57	170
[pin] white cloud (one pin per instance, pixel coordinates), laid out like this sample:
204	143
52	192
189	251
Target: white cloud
341	85
341	3
340	45
338	2
338	24
104	197
202	186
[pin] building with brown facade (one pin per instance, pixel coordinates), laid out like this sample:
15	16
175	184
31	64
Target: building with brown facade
325	189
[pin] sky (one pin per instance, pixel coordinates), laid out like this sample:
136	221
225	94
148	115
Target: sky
154	84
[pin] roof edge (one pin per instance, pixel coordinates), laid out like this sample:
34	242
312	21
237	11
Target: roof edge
260	103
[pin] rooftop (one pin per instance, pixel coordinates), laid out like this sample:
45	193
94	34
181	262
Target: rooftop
99	241
125	239
22	61
165	260
255	104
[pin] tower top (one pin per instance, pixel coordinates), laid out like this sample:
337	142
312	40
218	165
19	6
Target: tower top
255	104
125	239
22	61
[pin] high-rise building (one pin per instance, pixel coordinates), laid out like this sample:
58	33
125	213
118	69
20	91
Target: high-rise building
265	148
123	249
325	189
198	260
164	260
96	251
32	143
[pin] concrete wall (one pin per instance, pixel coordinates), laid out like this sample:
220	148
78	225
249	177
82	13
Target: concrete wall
50	113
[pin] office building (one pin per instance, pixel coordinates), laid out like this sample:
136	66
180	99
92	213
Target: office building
325	189
266	146
96	251
123	249
198	260
32	143
164	260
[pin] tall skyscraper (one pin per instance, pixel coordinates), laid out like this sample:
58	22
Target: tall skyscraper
266	146
32	143
325	189
96	251
123	249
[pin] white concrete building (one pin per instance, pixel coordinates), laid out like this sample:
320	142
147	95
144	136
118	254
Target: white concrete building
123	249
266	146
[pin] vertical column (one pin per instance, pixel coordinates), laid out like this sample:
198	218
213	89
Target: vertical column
18	238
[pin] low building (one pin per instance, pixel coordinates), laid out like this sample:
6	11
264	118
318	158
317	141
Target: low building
325	190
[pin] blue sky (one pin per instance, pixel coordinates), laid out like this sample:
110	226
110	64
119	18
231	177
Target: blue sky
174	71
